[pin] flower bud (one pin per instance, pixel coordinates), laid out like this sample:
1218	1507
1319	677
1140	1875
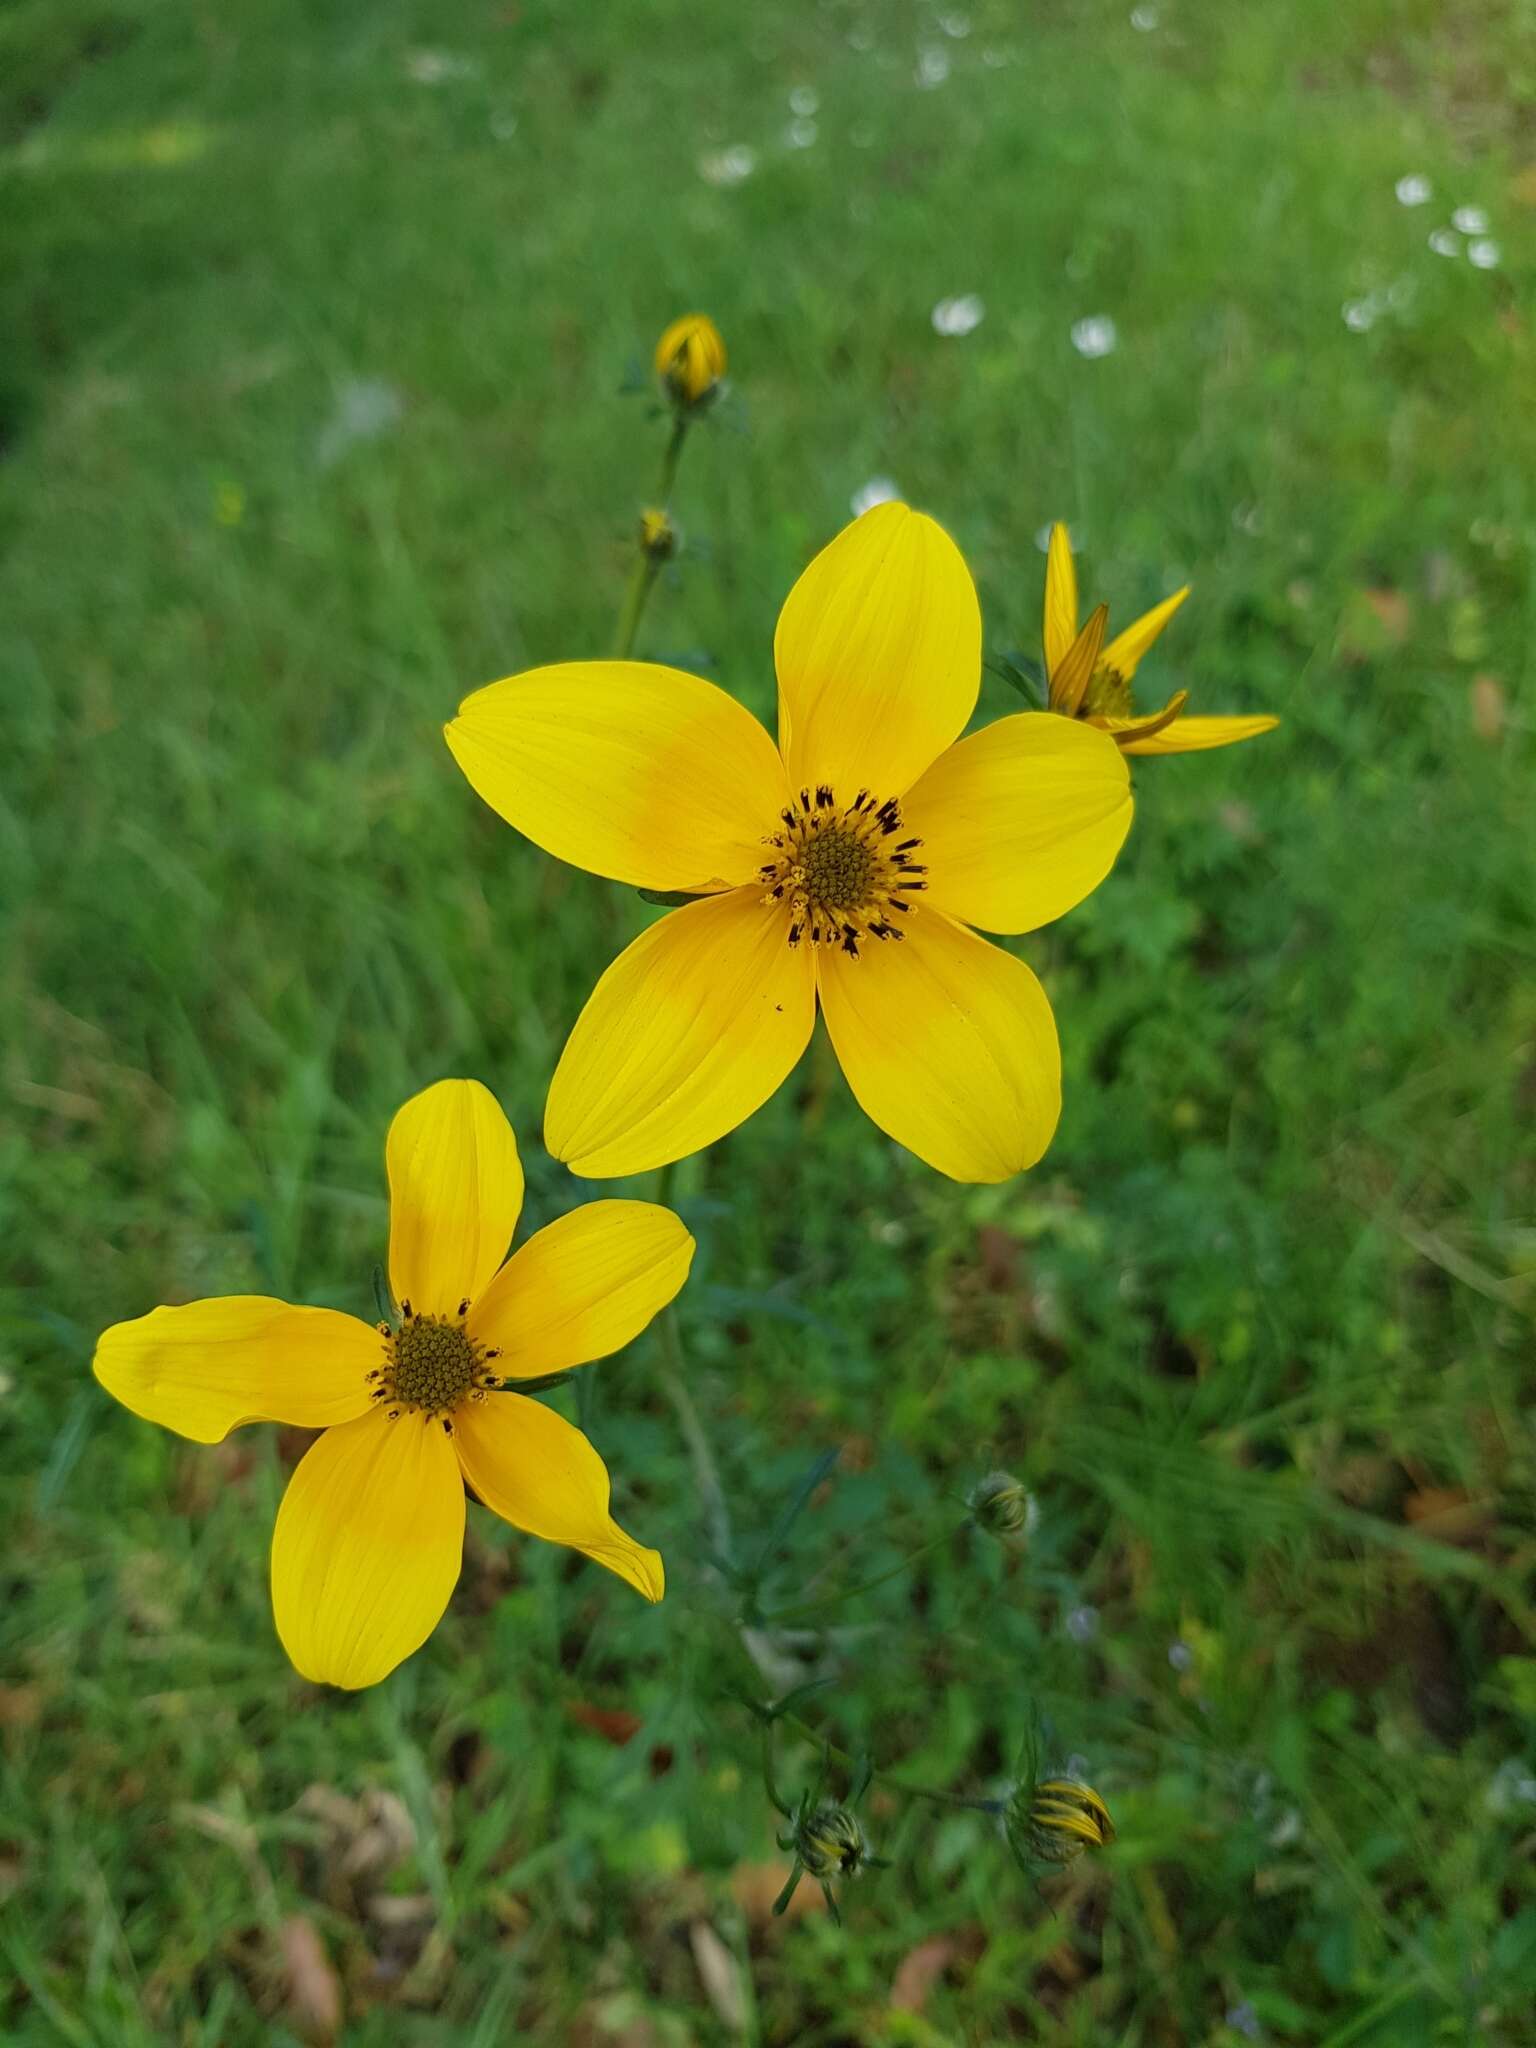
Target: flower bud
690	360
1003	1506
1053	1820
658	536
829	1841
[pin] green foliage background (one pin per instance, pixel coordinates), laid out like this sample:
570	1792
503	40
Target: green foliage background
1257	1334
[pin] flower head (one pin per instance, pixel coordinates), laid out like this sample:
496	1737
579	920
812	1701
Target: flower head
1053	1820
658	536
846	867
370	1532
1003	1506
829	1841
1092	682
691	359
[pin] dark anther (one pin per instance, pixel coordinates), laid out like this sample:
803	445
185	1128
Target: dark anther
794	933
406	1310
850	941
383	1329
788	816
823	795
907	845
394	1414
494	1352
447	1427
464	1306
376	1374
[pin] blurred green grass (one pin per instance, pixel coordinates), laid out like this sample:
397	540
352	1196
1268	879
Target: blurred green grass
1257	1333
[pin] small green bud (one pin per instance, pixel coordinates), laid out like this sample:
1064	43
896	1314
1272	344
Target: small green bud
830	1841
658	536
1004	1507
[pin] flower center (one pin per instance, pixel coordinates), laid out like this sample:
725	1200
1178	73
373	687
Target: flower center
1108	694
840	872
431	1365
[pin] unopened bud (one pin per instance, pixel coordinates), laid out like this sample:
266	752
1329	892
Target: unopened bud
829	1841
690	359
658	536
1004	1507
1053	1820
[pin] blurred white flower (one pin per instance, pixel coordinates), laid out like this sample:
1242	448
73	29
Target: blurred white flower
880	490
1144	18
1359	314
995	59
1180	1656
958	316
1470	219
956	25
503	125
1444	242
436	67
800	134
804	101
1414	190
365	407
932	67
1095	336
728	166
1511	1786
1484	254
1083	1624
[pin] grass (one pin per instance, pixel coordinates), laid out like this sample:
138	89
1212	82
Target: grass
317	319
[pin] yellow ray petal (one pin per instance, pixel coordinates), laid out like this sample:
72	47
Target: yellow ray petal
638	772
455	1189
207	1367
1124	652
1060	599
878	650
1197	735
367	1548
582	1287
949	1044
1072	678
537	1472
1020	821
690	1030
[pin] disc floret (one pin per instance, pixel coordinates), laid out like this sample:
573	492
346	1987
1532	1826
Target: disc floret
842	872
431	1366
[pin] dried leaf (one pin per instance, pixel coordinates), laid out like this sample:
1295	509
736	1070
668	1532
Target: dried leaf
720	1974
1487	698
1394	612
1448	1514
312	1993
919	1971
612	1723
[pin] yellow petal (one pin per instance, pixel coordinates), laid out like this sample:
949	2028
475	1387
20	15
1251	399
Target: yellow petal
582	1287
878	651
949	1044
641	773
1126	649
1020	821
1071	679
207	1367
367	1548
455	1189
1060	599
1196	735
537	1472
691	1029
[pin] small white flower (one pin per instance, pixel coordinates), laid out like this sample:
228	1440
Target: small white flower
932	67
1510	1786
436	67
365	408
728	166
800	134
880	490
1180	1656
1484	254
1144	18
804	101
1444	242
958	316
1095	336
503	125
1359	314
1470	219
1083	1625
956	25
1414	190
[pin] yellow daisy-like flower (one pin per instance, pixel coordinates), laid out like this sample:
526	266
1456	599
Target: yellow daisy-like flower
848	863
370	1534
1092	682
691	358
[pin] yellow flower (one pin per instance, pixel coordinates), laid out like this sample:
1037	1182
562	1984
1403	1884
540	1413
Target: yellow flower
690	358
1053	1820
1092	682
847	864
370	1533
658	536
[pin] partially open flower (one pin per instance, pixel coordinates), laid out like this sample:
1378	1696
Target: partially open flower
830	1842
691	359
1053	1820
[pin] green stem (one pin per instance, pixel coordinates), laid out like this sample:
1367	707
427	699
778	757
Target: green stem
669	461
641	578
896	1784
803	1607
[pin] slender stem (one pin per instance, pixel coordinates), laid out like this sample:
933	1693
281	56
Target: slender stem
896	1784
641	579
800	1608
680	423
